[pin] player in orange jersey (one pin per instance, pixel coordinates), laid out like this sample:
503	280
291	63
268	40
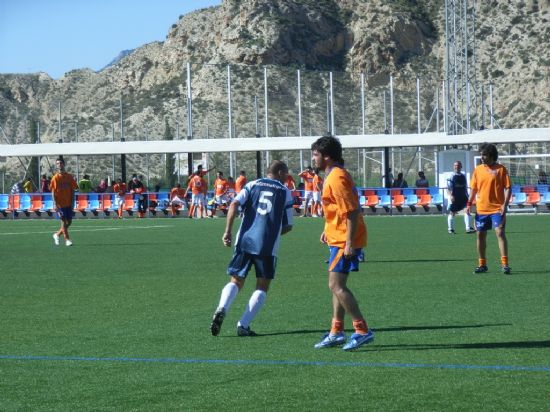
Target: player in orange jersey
221	188
290	183
345	233
177	198
197	185
120	192
317	208
490	186
63	186
240	182
307	177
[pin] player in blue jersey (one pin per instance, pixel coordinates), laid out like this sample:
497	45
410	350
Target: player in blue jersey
457	191
266	206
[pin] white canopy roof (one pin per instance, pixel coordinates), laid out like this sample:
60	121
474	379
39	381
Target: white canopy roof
271	143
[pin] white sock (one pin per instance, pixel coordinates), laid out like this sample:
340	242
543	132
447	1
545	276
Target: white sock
467	221
252	308
450	221
229	292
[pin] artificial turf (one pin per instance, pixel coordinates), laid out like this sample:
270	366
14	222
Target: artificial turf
120	321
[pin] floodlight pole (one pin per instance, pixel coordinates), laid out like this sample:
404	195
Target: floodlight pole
230	124
122	139
189	119
300	116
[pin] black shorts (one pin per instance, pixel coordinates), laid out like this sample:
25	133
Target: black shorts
457	206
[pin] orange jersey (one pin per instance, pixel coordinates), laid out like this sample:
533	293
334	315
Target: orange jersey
239	183
119	188
290	183
220	187
308	181
339	198
317	183
177	192
63	186
197	185
489	182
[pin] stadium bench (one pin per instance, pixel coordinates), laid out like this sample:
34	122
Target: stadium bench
516	189
407	191
533	198
25	204
385	202
36	204
518	198
47	205
4	204
411	201
398	201
93	203
433	190
542	189
425	200
81	204
381	192
437	201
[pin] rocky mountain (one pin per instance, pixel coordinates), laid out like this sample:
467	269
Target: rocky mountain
404	38
118	58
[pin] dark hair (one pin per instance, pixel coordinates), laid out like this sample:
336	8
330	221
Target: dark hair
276	167
490	150
220	172
60	159
329	146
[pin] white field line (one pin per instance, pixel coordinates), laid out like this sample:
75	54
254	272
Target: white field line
88	230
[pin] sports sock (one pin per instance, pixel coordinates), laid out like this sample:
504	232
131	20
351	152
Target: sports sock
482	262
466	221
254	305
229	292
337	326
504	260
450	221
360	326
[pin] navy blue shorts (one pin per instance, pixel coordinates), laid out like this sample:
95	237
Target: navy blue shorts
487	222
65	212
338	263
241	262
457	205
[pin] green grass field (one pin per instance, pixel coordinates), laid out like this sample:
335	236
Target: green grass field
120	321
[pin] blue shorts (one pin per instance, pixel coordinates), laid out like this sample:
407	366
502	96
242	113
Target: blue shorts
241	262
487	222
338	263
65	212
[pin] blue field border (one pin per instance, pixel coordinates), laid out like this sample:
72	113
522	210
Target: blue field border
511	368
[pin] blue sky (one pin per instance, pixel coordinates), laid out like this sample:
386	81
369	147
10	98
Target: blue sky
56	36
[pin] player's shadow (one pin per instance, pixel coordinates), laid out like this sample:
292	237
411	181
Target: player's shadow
416	260
540	344
394	329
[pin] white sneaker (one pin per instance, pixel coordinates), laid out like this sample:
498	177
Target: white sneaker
56	239
68	243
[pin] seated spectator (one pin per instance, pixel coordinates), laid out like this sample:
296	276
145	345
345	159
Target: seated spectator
17	188
27	185
44	184
102	187
422	181
400	182
85	186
